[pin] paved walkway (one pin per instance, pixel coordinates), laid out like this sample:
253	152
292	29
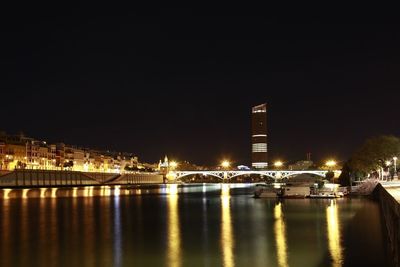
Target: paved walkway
393	187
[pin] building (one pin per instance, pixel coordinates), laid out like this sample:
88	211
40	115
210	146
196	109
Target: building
21	152
259	148
301	165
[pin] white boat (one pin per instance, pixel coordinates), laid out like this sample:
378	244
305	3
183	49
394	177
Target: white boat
264	191
324	195
329	190
294	192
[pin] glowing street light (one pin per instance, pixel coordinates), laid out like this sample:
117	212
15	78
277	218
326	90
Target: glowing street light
330	163
387	163
173	164
395	167
278	164
225	164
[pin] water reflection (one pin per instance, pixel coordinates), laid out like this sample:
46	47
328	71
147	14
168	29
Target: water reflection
226	228
88	226
225	190
6	193
117	233
104	191
172	189
42	192
6	231
218	229
53	226
54	192
280	236
174	238
333	226
25	193
117	190
42	224
75	192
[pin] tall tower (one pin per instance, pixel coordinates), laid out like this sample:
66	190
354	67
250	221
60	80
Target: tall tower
259	149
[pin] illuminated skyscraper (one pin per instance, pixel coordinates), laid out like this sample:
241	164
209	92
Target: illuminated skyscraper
259	150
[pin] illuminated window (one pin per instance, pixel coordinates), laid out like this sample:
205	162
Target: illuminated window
259	147
259	164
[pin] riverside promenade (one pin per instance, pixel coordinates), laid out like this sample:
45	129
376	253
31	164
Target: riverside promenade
393	188
388	195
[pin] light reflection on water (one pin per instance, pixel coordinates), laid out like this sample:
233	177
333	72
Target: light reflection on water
226	228
54	192
174	235
25	193
112	190
42	192
117	248
280	236
6	193
93	226
333	229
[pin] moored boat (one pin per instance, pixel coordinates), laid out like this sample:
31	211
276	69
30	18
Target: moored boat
324	195
294	192
264	191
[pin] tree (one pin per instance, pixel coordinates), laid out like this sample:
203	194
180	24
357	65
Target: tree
345	176
329	176
68	164
373	154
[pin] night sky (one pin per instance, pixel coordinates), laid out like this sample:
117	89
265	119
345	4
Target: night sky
182	82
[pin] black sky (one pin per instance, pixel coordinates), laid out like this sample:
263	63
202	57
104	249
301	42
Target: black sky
182	81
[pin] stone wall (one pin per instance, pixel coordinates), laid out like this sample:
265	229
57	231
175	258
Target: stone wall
391	212
40	178
49	178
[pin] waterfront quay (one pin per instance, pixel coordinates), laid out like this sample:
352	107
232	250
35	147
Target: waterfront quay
48	178
388	196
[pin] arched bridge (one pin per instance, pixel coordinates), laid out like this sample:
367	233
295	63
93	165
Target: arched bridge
221	174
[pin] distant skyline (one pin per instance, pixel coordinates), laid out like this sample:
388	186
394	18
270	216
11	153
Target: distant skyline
182	82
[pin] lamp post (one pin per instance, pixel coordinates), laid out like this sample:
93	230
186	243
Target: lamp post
225	164
278	164
395	167
173	165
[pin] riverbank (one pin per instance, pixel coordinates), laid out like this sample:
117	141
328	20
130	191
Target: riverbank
389	201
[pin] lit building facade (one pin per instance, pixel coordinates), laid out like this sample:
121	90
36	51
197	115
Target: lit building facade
21	152
259	148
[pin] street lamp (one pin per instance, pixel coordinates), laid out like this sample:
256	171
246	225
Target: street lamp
225	164
395	167
330	163
278	164
173	164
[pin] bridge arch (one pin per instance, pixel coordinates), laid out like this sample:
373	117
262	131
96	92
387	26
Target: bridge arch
249	173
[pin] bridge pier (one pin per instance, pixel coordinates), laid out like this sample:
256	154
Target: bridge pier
225	177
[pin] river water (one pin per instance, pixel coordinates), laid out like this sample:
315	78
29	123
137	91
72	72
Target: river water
205	225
